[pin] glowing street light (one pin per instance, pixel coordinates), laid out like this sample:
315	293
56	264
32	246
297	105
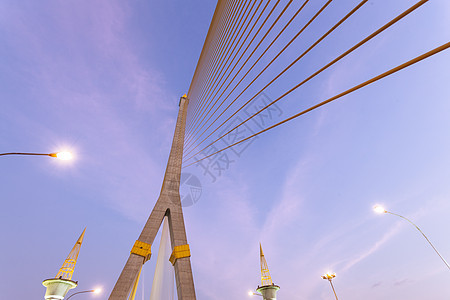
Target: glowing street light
64	155
329	276
380	209
95	291
252	293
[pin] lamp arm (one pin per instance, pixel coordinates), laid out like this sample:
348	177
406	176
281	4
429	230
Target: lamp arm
333	289
417	227
23	153
90	291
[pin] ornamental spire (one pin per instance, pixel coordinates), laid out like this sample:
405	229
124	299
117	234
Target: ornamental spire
265	275
68	266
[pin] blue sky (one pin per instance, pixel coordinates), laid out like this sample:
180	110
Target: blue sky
103	79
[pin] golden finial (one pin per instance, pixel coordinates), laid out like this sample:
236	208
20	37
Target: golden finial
68	266
265	275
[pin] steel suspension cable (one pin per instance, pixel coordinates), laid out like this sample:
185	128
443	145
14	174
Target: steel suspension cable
224	63
259	29
220	43
210	55
417	5
220	39
237	18
355	88
248	45
362	42
199	73
358	6
254	50
213	87
261	72
199	69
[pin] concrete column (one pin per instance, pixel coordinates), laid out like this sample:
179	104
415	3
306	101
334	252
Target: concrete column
168	203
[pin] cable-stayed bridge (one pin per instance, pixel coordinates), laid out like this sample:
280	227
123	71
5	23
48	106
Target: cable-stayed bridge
252	47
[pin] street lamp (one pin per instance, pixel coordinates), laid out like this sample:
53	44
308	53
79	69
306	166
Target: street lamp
64	155
329	276
381	210
96	291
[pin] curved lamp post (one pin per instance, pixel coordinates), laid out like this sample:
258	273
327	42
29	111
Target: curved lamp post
381	210
60	155
329	277
96	291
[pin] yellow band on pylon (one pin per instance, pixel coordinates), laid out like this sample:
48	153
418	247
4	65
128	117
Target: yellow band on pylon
179	252
141	248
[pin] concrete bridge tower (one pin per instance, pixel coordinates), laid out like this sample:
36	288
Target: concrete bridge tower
168	205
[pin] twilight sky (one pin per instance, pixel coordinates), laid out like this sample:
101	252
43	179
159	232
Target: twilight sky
103	78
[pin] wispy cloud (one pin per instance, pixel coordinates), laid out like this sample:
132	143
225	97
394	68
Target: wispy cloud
366	253
287	210
107	96
375	285
236	209
403	282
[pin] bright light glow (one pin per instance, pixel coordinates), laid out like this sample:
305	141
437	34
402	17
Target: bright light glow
379	209
250	293
64	155
328	275
97	291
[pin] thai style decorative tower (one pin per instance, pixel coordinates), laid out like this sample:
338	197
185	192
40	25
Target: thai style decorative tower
58	287
267	289
168	204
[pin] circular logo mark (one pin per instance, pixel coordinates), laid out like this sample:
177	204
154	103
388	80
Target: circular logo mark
190	189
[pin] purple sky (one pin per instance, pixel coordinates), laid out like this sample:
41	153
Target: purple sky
103	79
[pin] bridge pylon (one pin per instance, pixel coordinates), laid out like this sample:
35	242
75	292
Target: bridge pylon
168	204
